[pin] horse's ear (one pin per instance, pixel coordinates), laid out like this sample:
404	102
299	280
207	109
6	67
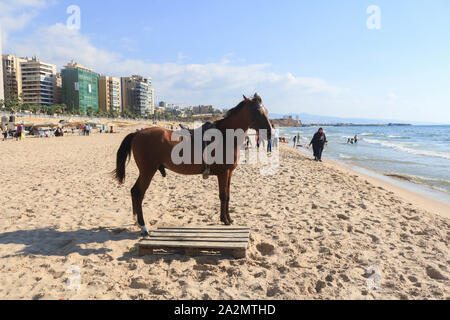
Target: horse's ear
245	98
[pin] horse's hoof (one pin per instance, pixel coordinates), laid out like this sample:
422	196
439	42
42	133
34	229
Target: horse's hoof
145	234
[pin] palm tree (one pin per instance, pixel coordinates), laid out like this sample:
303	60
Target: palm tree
35	109
45	109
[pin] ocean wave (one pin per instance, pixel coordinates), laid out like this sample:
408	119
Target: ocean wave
398	137
438	184
436	154
347	157
372	134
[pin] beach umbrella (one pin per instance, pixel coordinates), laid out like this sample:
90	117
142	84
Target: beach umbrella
46	124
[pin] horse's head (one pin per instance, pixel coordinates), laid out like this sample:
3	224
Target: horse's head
258	115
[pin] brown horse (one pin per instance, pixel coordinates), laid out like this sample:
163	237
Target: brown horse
152	149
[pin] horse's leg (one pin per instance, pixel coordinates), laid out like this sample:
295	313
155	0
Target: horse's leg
227	210
137	196
223	182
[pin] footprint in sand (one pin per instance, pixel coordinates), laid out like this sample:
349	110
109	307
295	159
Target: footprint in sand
265	248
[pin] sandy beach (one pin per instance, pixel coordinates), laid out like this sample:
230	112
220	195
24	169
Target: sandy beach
318	230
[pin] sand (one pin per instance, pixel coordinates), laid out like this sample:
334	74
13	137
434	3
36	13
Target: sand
318	231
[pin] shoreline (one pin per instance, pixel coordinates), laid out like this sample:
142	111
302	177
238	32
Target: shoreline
415	197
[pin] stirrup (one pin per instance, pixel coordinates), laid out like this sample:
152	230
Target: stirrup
206	172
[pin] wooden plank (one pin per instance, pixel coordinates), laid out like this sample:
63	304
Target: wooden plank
158	233
198	230
207	228
192	240
193	244
201	239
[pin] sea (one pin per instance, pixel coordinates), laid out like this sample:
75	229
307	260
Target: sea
416	157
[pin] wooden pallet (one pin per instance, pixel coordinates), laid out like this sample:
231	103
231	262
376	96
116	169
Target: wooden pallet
194	240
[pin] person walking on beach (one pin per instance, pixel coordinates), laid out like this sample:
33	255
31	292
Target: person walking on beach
5	133
87	129
257	140
295	140
318	142
19	133
269	142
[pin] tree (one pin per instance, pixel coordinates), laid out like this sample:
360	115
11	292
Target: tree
12	103
35	109
45	109
25	107
100	113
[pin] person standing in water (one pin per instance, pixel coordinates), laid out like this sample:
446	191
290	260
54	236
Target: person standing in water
356	139
318	142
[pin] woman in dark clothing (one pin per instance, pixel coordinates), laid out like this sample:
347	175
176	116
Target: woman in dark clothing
318	142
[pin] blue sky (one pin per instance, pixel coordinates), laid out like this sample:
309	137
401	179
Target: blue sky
316	57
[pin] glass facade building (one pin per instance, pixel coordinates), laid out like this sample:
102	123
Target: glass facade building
79	88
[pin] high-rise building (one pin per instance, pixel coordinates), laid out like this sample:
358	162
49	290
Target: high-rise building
79	88
109	93
137	94
38	82
12	75
32	78
152	106
57	92
2	89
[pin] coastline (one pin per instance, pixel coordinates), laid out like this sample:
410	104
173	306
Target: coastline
414	197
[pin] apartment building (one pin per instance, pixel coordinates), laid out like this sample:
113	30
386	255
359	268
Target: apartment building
109	96
2	89
12	75
38	82
137	94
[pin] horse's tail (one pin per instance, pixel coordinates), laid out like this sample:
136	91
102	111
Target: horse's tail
123	153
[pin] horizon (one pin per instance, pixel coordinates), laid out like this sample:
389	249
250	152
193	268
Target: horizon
328	61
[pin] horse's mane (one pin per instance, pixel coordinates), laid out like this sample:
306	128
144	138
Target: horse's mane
238	108
235	109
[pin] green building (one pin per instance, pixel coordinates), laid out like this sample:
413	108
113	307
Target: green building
79	88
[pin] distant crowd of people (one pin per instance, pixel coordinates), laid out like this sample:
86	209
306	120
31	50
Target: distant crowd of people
19	132
260	141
